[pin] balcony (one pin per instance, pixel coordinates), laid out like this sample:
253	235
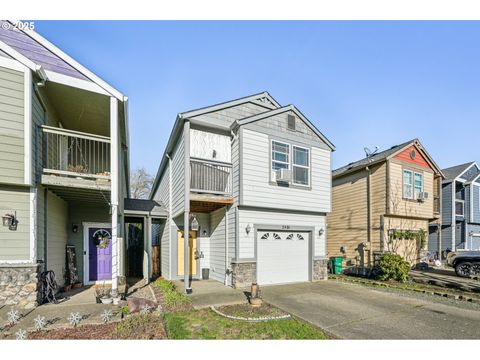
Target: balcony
75	159
210	185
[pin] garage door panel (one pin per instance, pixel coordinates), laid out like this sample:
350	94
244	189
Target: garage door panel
282	257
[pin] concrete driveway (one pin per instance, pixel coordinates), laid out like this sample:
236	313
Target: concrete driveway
351	311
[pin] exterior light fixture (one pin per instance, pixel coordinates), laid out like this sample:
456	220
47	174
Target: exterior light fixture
75	228
321	231
194	224
248	229
10	220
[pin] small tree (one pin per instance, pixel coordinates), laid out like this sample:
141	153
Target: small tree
140	183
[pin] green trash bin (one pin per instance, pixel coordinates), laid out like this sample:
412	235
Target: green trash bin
336	264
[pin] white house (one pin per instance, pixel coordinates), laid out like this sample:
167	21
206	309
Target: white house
251	180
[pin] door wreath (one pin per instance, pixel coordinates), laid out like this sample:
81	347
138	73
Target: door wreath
102	238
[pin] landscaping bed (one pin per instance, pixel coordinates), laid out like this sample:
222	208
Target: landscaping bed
134	327
247	311
205	324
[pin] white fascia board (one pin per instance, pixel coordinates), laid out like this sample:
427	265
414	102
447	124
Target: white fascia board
74	82
11	64
69	60
16	55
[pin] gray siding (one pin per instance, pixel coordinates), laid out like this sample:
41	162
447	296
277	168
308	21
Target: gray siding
226	117
236	168
12	126
38	119
15	245
41	223
217	245
258	190
447	206
57	222
476	204
178	177
164	197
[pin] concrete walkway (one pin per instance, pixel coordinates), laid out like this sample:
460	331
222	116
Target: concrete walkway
206	293
351	311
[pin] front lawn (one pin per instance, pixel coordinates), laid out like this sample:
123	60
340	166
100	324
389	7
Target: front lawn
205	324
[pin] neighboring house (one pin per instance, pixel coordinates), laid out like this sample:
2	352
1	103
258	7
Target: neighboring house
460	209
384	202
63	167
251	181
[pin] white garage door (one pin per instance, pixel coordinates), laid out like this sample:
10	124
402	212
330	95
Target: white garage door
282	257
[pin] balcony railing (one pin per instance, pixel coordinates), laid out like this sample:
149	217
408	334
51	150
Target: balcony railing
74	153
211	177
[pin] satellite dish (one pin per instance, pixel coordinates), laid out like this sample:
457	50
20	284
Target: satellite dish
369	152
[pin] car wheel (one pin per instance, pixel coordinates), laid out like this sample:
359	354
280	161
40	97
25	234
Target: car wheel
463	269
476	268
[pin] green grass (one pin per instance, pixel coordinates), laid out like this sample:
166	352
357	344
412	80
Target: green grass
173	300
205	324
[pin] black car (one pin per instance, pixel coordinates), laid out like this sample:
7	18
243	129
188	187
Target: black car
466	263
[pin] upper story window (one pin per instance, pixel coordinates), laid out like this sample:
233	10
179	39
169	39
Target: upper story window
412	184
280	155
296	158
301	165
459	208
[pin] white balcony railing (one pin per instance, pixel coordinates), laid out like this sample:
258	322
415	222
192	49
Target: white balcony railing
210	177
74	153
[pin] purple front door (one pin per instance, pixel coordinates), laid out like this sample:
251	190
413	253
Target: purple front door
100	253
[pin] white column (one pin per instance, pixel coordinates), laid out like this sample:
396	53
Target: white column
114	150
186	217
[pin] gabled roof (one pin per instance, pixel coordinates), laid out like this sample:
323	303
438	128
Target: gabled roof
38	54
453	172
263	97
282	110
383	156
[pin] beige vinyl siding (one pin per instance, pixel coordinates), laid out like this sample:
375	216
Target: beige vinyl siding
15	245
12	125
255	218
411	208
348	221
408	249
258	191
57	220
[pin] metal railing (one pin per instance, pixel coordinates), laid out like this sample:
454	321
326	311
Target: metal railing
211	177
74	153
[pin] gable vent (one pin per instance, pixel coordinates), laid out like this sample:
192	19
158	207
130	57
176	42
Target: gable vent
291	122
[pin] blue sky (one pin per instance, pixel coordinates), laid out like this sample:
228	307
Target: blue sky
361	83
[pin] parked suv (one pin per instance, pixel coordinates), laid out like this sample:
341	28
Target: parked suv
465	263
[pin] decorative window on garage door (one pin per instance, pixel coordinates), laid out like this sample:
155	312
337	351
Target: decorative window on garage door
265	236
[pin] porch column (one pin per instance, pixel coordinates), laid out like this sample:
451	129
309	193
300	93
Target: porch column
186	217
114	190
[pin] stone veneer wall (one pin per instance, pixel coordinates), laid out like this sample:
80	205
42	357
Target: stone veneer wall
243	274
320	269
19	285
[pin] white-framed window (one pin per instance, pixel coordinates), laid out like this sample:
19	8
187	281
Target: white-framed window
280	155
412	184
301	165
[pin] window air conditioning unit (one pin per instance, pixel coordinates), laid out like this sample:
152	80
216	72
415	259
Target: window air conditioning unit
283	175
422	196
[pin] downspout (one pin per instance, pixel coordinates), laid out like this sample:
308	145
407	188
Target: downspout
226	246
170	220
186	215
369	215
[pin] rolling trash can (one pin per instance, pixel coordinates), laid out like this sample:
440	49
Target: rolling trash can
336	264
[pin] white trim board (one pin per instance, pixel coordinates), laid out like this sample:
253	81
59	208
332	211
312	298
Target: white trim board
33	224
86	250
27	134
11	64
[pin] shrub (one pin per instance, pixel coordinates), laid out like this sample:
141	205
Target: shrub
165	285
393	267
